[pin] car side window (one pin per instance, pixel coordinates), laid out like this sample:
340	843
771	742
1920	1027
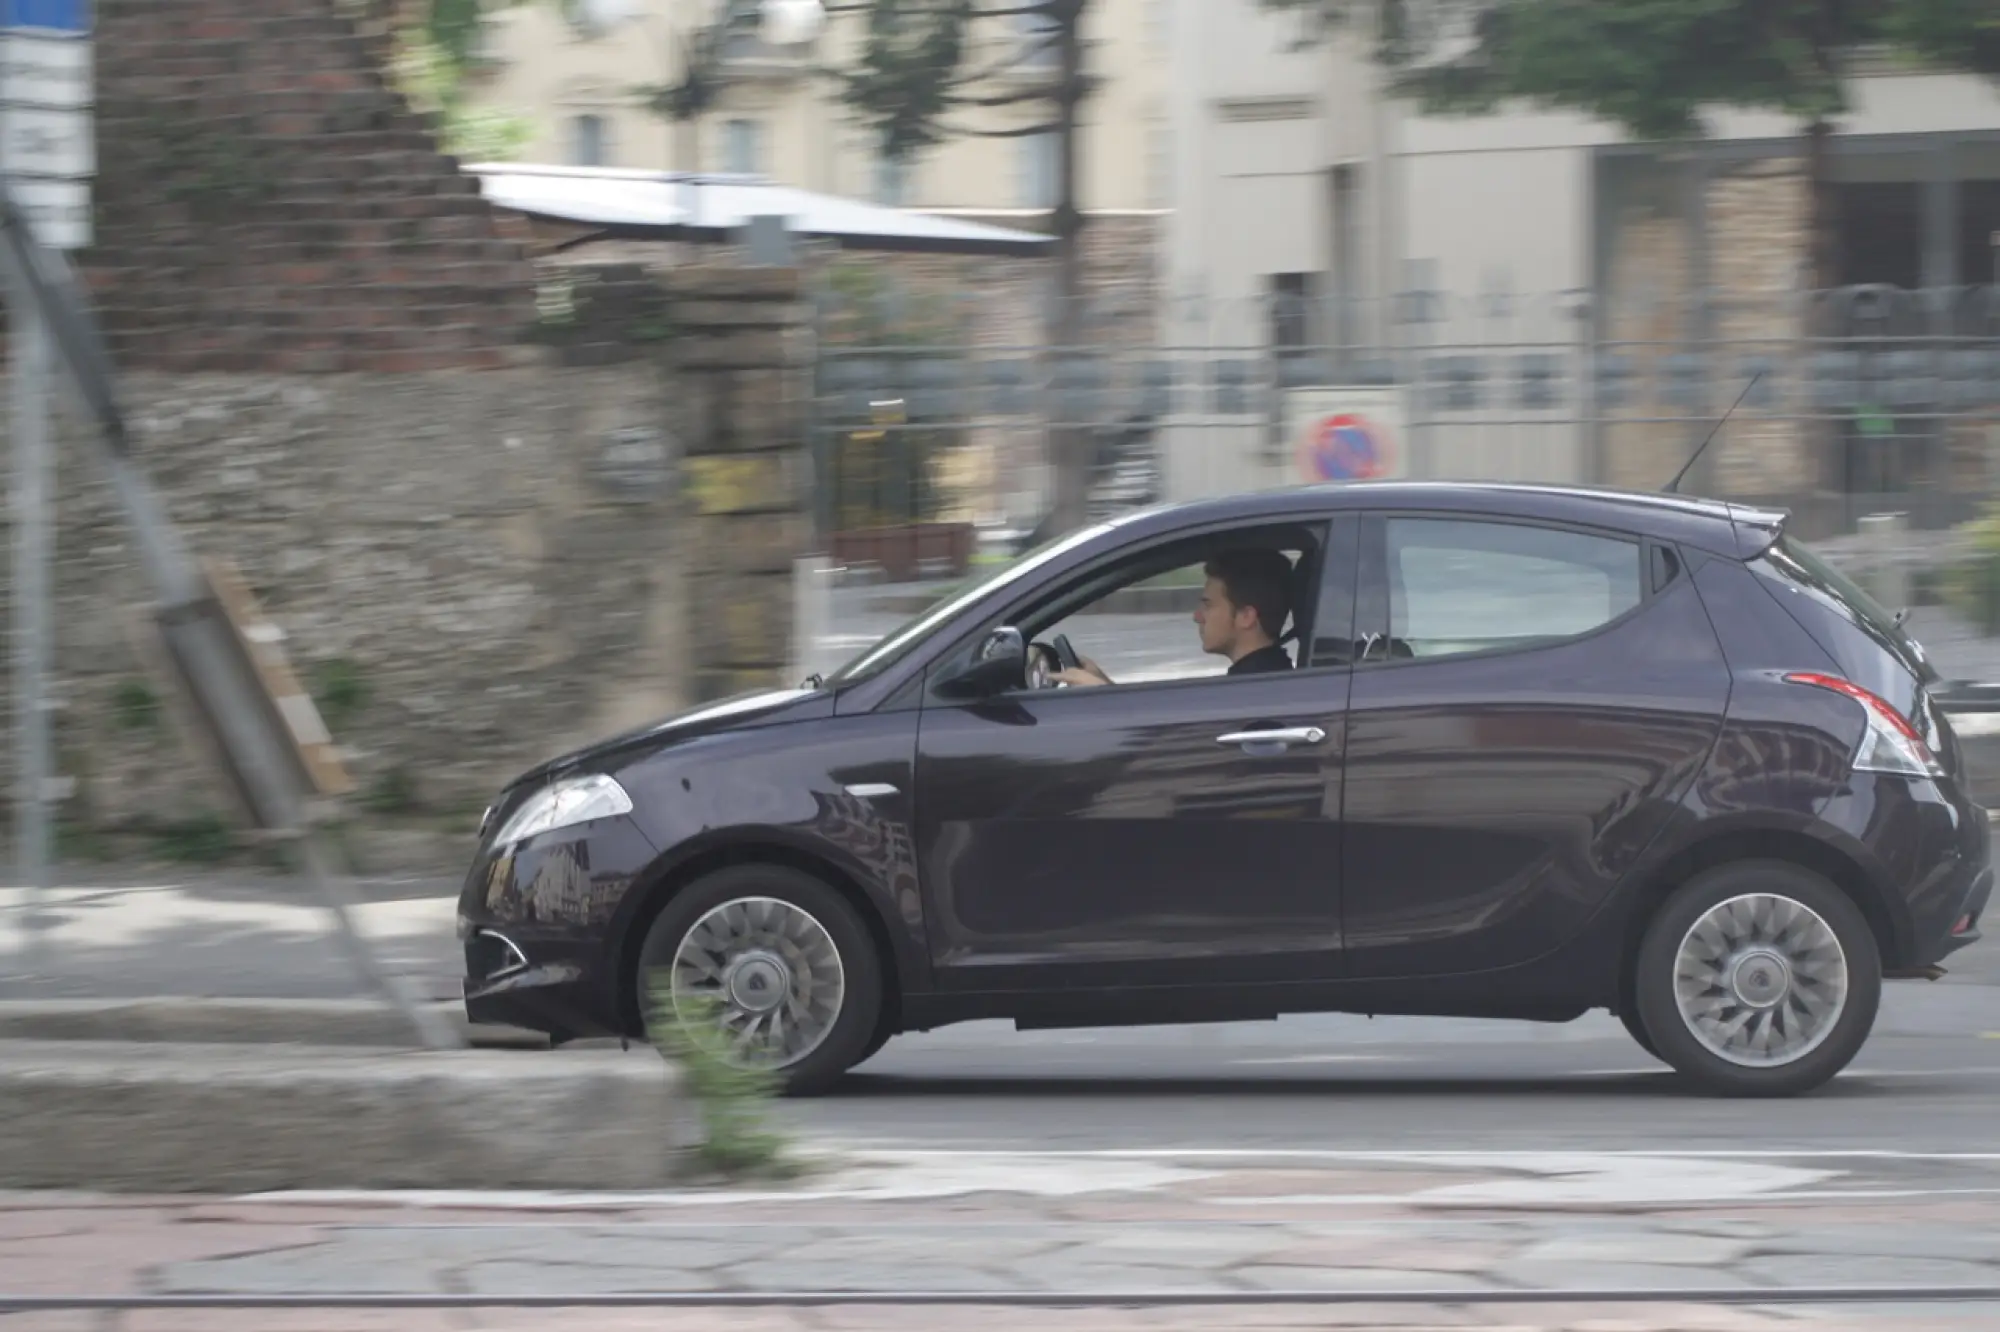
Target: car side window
1458	586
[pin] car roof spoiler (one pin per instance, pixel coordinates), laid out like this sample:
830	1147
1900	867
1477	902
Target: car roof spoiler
1756	530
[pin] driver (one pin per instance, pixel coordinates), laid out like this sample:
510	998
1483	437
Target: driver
1243	607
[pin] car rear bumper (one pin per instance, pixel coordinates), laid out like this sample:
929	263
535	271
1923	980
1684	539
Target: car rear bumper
1948	902
1964	929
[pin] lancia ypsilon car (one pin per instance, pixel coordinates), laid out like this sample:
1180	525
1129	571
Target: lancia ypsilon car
1526	752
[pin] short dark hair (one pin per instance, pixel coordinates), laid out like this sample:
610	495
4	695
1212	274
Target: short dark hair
1257	577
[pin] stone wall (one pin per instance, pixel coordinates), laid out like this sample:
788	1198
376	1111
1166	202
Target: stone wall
990	301
1644	319
470	521
1758	214
1756	219
470	574
473	571
267	203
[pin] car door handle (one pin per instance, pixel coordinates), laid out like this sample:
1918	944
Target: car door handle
1290	735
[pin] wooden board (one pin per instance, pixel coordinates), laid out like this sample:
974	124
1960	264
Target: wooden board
262	642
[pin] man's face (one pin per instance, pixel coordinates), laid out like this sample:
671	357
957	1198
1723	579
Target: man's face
1219	621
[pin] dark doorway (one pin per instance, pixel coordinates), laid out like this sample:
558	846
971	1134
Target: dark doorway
1881	231
1979	232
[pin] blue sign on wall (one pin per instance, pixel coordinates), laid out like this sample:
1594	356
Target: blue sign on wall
47	15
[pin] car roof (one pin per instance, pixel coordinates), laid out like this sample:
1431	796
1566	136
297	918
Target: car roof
1714	525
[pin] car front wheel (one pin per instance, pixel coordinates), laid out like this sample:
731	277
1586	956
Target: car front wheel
1759	978
778	962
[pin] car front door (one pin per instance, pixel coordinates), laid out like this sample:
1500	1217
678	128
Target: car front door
1155	833
1533	702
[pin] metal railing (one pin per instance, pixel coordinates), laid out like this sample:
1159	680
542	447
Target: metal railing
1865	398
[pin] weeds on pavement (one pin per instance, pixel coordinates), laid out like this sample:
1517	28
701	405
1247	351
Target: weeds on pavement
734	1102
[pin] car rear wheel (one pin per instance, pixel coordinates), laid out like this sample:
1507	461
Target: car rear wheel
1759	979
778	962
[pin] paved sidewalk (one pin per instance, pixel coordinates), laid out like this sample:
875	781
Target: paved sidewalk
1149	1228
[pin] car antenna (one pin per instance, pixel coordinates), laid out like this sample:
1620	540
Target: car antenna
1673	486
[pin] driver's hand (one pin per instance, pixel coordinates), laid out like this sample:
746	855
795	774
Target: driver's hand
1087	675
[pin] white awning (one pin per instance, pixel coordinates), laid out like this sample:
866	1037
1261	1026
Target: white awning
653	205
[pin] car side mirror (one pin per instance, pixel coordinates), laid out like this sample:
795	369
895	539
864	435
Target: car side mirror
999	664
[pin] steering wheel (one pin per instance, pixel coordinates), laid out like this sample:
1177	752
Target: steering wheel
1041	670
1065	653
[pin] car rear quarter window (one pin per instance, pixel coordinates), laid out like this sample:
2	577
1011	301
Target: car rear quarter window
1862	635
1467	585
1796	564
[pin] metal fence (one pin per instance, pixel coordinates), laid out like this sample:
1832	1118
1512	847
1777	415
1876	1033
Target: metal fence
1864	399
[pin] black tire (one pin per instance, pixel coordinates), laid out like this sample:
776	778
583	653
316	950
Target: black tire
1659	1012
847	1043
874	1046
1629	1015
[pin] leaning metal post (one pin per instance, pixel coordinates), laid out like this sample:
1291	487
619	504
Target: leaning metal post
225	690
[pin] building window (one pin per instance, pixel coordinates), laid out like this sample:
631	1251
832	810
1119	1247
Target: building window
742	147
1037	170
1290	296
892	182
589	141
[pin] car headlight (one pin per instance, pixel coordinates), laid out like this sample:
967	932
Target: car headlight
561	804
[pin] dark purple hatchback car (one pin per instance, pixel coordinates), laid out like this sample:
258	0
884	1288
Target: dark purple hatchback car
1542	751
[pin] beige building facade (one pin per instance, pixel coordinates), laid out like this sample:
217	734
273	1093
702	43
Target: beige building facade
778	114
1493	271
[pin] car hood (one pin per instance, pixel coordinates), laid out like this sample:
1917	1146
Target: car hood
763	708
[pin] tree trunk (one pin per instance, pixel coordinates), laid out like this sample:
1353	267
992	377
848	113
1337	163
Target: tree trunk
1822	238
1826	461
1069	444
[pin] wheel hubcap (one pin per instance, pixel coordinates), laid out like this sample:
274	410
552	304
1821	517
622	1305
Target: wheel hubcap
758	982
767	974
1761	980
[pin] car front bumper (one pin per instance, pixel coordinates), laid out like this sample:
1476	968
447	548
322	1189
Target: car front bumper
540	927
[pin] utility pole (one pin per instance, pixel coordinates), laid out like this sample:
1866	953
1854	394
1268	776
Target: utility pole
47	154
1069	443
28	338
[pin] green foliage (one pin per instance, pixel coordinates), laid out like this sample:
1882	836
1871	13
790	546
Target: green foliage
201	839
1972	585
886	477
905	80
919	75
135	706
866	311
432	76
77	840
392	792
733	1101
340	691
1653	66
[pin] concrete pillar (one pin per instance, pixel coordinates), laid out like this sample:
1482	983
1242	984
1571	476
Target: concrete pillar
1940	217
740	356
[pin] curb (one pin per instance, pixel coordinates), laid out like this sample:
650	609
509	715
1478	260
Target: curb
180	1118
330	1022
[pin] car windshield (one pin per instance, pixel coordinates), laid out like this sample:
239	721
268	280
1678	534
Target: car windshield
891	649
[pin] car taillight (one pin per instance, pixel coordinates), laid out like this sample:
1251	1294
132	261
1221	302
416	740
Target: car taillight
1891	744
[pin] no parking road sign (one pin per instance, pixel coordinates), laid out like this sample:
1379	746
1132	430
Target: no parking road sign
71	16
48	135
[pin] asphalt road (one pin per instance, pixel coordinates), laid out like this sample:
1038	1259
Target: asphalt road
1928	1080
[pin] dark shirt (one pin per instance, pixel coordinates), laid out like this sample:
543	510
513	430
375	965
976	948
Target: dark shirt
1264	659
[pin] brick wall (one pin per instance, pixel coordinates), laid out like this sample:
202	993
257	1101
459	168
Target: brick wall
265	202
